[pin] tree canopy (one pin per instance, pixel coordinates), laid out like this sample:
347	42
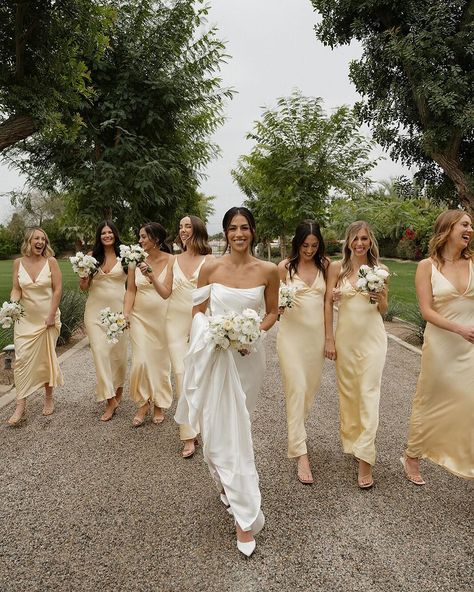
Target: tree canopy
143	131
301	156
416	77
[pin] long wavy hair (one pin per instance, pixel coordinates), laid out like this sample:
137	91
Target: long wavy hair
442	229
98	250
199	242
247	214
372	253
302	231
157	233
26	245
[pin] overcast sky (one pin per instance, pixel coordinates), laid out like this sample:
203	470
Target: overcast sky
273	50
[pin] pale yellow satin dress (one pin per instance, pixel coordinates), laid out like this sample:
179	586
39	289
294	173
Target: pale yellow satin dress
36	363
442	421
110	359
151	367
178	325
361	348
300	346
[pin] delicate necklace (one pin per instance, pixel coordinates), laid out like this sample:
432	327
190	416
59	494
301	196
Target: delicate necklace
452	260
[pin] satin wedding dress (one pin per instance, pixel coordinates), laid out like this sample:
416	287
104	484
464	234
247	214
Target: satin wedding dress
220	390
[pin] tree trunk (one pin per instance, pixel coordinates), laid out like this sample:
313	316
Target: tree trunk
460	179
16	128
269	250
283	247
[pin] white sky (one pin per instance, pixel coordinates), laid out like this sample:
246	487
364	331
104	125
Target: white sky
274	50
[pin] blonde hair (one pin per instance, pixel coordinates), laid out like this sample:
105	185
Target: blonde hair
442	229
26	245
372	253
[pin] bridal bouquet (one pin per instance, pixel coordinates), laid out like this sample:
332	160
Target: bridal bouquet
286	295
10	312
132	254
236	330
84	265
114	322
371	279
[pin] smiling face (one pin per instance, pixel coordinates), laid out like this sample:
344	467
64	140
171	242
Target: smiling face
360	242
107	237
240	234
461	233
185	229
309	248
38	242
145	241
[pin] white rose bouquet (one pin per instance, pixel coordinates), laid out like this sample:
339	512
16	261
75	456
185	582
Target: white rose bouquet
10	312
84	265
286	296
371	279
114	322
133	254
239	331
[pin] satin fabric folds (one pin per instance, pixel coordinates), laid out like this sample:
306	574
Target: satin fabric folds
220	390
36	363
442	422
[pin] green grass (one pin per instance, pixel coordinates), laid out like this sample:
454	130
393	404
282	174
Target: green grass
402	285
70	279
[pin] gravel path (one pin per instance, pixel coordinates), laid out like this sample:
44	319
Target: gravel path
88	506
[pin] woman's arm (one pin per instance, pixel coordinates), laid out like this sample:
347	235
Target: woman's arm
282	270
424	293
85	283
57	286
271	297
131	292
15	293
204	280
331	282
165	287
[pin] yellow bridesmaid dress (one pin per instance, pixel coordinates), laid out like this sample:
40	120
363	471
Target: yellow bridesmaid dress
151	367
106	289
361	348
442	421
178	326
300	346
36	363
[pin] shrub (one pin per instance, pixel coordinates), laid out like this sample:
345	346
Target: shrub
416	323
72	307
394	309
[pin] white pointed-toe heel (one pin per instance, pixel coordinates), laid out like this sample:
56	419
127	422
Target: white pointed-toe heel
246	548
259	523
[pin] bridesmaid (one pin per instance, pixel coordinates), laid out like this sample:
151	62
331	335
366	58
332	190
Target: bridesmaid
37	283
221	386
145	306
106	288
359	349
302	331
442	421
193	240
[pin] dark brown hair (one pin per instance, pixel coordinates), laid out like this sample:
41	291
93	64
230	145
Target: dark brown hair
247	214
303	230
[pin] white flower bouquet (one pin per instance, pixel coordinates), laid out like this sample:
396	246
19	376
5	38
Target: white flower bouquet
286	296
84	265
10	312
133	254
114	322
239	331
371	279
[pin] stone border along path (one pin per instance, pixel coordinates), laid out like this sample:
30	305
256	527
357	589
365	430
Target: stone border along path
91	506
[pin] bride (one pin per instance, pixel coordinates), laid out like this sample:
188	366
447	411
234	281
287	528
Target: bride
221	386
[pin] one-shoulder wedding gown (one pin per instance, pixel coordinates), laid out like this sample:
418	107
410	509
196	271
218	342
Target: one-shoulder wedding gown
220	391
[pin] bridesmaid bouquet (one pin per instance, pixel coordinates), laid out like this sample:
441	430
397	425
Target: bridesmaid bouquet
10	312
114	322
132	254
371	279
239	331
84	265
286	296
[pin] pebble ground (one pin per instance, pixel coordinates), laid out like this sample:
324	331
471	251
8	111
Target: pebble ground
97	507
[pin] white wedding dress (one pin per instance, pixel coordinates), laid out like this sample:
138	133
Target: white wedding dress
220	389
